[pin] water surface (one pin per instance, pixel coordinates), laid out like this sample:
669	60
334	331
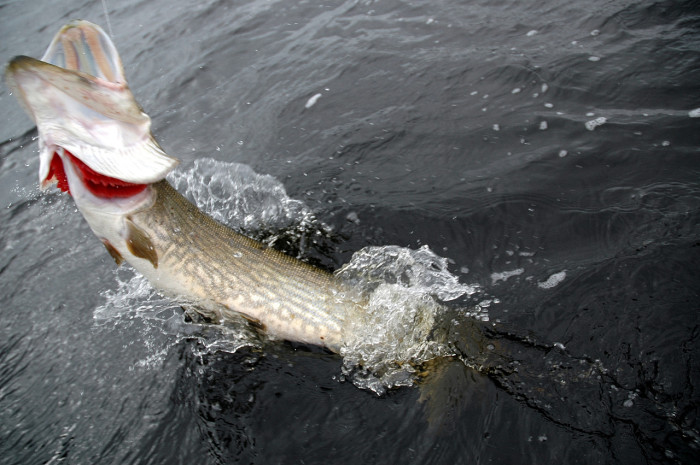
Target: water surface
548	152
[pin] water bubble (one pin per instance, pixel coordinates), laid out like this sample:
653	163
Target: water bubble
594	123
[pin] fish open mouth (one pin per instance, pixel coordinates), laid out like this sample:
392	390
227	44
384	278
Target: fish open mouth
87	116
96	183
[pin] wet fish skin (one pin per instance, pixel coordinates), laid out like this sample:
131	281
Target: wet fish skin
202	260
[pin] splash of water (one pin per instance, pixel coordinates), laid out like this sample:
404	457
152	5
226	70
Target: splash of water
407	291
135	301
253	204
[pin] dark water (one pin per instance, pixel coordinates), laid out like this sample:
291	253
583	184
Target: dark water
457	125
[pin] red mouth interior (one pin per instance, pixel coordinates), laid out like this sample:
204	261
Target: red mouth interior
98	184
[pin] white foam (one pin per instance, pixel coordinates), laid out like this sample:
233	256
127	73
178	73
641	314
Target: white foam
505	275
553	280
694	113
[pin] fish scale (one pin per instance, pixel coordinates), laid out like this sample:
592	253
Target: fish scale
212	262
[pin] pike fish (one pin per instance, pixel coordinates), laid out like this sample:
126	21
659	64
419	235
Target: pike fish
95	144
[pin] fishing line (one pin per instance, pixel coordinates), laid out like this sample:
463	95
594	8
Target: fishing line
109	25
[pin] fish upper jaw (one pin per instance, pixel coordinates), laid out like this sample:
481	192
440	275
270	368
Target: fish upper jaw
83	46
80	101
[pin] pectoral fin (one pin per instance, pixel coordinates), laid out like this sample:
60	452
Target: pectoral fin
139	243
113	252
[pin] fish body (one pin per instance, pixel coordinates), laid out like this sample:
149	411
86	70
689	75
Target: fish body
95	143
187	254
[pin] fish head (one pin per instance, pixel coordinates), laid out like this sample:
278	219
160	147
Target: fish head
94	138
